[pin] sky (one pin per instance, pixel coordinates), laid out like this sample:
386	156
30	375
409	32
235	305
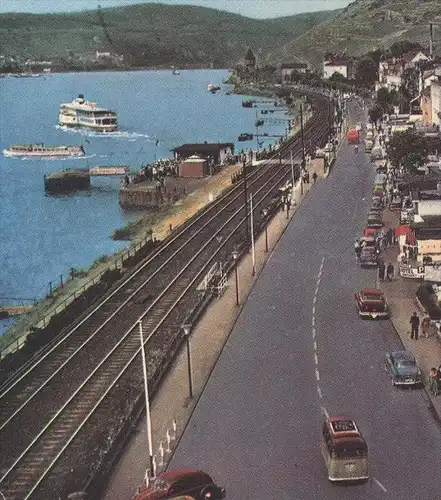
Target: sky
250	8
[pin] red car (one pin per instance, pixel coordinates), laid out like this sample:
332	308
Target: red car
371	304
182	482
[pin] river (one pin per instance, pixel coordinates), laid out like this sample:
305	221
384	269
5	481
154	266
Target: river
42	236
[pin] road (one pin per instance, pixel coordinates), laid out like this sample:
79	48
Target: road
298	351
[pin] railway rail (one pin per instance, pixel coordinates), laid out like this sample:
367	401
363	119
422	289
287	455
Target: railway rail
52	413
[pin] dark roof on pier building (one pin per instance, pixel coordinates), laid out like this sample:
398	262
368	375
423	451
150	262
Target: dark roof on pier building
204	149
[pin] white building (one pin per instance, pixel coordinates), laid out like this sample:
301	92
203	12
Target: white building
390	71
335	66
435	91
287	69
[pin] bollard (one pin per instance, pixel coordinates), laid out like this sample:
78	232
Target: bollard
161	454
174	420
154	467
167	437
146	478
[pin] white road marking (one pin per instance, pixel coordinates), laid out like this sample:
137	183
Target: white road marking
313	321
319	391
317	374
313	310
380	485
325	412
316	359
313	333
314	302
315	345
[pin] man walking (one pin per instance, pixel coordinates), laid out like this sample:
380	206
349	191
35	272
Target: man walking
415	325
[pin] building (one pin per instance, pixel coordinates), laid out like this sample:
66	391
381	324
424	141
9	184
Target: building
336	65
217	152
435	91
250	63
194	167
390	71
287	69
426	106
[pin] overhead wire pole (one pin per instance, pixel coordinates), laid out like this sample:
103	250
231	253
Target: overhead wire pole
245	193
301	134
147	405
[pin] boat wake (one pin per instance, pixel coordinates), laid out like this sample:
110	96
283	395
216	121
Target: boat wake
58	158
120	134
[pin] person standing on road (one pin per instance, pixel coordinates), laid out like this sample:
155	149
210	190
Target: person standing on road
390	271
433	381
381	270
314	177
425	324
415	325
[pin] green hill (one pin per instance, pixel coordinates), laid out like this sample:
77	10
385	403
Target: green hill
151	34
366	25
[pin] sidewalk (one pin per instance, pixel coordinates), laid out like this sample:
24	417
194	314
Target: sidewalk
208	339
401	297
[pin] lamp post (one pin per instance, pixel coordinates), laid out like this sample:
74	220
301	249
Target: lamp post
265	213
187	329
246	203
235	255
147	404
302	137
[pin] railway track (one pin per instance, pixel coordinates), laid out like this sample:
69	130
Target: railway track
57	403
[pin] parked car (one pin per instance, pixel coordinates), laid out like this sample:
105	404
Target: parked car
375	212
377	201
374	221
371	303
402	368
369	232
368	257
182	482
369	242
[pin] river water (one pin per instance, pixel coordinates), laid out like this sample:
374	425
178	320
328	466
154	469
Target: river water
42	237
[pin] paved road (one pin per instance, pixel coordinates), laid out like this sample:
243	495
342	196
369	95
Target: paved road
256	428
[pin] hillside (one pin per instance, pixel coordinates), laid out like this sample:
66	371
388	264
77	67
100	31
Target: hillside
151	34
366	25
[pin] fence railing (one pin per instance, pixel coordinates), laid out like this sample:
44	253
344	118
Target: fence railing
40	318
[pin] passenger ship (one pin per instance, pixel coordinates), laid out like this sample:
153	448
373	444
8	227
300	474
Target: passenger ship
82	113
42	150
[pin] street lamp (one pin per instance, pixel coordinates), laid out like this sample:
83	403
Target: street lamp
235	255
147	404
187	329
265	213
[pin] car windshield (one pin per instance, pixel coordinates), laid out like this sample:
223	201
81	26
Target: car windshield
405	363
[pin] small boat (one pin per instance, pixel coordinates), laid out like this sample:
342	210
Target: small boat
41	150
245	137
259	123
213	88
176	72
248	104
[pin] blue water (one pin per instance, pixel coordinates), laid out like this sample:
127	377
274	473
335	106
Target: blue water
42	237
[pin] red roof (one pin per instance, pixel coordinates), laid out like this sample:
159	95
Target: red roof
372	291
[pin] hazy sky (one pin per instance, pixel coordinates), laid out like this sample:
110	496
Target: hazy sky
250	8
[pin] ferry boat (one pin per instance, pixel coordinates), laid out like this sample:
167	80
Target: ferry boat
82	113
42	150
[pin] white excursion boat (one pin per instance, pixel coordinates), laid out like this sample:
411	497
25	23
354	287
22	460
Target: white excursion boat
213	88
42	150
82	113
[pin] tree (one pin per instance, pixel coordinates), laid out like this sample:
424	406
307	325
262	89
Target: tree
366	72
387	99
337	77
408	149
376	114
397	49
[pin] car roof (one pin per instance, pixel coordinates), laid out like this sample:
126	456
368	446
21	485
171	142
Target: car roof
175	474
371	291
402	355
343	427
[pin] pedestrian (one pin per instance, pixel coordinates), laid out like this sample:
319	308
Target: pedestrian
415	325
314	176
381	270
390	271
433	381
425	325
